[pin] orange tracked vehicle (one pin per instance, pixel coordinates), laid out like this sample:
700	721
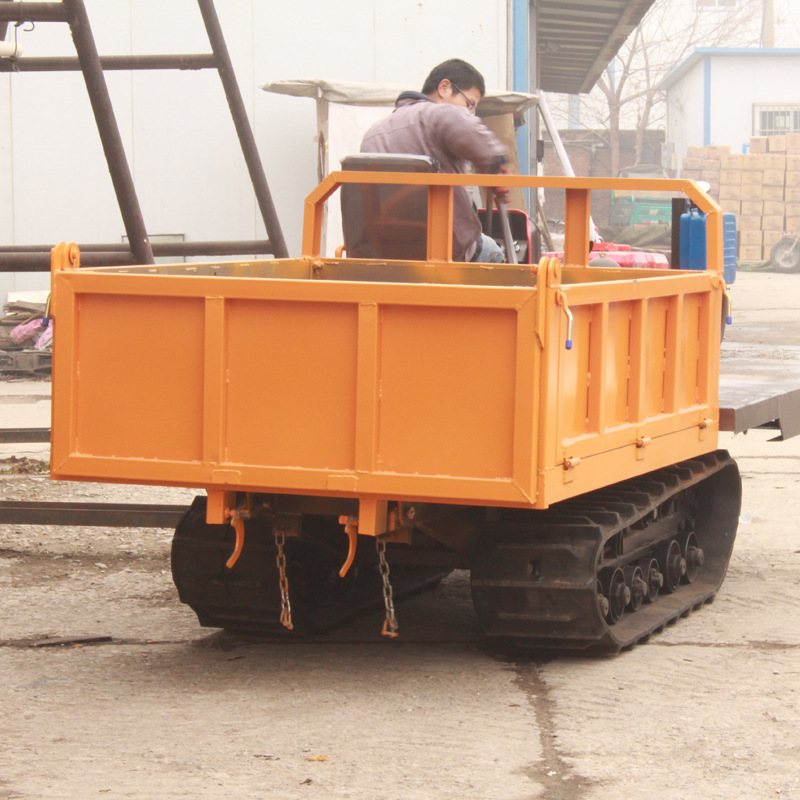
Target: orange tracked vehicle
552	428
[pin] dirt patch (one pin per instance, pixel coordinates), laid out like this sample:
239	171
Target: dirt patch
23	466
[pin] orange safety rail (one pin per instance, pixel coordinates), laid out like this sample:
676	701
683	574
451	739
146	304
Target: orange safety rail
577	212
273	380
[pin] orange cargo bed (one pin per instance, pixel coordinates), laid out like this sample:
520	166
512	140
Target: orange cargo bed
432	381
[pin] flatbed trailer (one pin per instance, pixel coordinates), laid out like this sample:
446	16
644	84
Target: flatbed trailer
553	428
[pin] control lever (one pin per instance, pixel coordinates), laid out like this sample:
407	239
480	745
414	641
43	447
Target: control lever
508	239
487	220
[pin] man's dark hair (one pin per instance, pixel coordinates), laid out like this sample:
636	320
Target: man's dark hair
459	72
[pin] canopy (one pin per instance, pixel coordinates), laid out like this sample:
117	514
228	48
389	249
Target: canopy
376	94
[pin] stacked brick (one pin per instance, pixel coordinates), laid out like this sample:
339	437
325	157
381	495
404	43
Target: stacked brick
761	187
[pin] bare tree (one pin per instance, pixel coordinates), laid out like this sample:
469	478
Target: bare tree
627	93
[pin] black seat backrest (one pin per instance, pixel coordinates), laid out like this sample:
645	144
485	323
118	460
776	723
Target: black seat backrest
386	220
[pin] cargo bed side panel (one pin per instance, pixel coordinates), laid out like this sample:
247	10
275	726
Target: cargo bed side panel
296	386
638	389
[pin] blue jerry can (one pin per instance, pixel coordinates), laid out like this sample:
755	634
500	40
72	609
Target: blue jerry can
693	242
697	239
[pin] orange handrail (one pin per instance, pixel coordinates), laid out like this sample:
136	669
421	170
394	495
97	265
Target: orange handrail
578	206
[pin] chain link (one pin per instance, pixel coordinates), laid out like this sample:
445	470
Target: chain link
283	582
390	627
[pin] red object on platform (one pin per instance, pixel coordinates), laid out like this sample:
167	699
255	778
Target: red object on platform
624	256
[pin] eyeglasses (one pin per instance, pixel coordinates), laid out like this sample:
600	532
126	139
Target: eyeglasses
470	105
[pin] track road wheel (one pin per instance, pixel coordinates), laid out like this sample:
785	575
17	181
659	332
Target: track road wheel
634	578
654	579
618	594
694	556
785	254
673	565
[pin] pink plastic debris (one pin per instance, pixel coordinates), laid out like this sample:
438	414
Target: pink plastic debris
27	330
46	338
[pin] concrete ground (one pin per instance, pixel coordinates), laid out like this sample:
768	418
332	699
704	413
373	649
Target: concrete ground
160	708
25	404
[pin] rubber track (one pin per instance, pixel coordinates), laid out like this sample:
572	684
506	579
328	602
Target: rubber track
534	579
246	598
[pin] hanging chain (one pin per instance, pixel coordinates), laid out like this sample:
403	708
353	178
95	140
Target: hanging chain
283	582
390	627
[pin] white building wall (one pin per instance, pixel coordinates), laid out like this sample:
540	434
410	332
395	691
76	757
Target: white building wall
737	83
179	138
6	182
685	112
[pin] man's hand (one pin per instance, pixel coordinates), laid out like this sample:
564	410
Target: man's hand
501	192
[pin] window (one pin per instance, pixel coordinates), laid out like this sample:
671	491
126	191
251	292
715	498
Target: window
775	120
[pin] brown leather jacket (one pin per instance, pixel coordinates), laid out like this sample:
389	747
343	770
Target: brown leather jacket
452	136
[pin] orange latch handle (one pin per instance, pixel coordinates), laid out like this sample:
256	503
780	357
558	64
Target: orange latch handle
238	526
561	299
351	529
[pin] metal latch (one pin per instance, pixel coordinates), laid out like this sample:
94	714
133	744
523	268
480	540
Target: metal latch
561	299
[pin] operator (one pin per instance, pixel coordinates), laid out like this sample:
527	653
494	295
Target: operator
440	122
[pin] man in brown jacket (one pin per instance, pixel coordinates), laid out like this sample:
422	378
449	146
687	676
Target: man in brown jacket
440	122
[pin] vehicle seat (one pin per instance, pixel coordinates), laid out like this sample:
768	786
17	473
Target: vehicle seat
386	220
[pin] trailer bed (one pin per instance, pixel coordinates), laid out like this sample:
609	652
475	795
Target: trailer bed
759	392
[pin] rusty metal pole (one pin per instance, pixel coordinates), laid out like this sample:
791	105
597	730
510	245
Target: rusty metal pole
72	64
13	11
109	132
3	25
243	130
